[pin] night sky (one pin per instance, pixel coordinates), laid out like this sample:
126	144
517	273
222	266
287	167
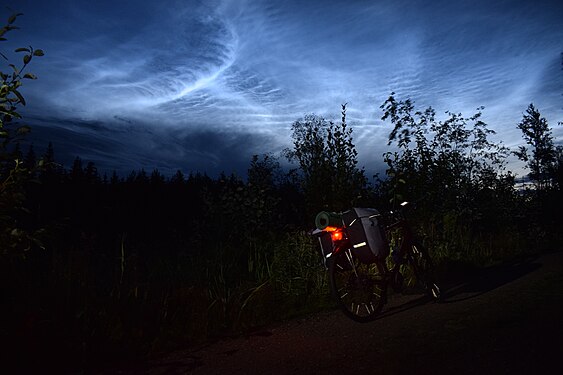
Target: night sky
203	85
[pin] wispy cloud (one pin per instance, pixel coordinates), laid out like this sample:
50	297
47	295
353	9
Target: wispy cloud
253	67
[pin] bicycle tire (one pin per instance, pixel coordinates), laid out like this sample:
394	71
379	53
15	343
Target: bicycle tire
424	270
359	288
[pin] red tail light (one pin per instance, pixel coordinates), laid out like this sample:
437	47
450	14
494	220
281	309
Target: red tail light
336	235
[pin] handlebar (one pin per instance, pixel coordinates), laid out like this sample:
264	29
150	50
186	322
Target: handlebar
395	218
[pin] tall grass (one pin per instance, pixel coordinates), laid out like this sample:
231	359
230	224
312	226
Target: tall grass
462	244
105	306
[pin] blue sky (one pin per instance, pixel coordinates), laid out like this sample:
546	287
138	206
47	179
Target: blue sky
203	85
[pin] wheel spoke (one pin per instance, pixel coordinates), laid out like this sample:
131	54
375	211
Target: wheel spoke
358	287
422	267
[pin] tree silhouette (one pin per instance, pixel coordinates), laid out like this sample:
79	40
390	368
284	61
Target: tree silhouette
30	159
445	159
327	159
178	178
76	172
541	159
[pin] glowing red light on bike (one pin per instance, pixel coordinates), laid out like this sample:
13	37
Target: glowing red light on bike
336	235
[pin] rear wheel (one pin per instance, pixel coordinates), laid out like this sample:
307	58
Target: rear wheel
359	288
422	264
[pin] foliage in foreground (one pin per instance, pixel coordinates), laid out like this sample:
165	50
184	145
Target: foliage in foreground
14	240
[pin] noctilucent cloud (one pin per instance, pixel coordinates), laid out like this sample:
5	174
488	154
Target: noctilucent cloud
203	85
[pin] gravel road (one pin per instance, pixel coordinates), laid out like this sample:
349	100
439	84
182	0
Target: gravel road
507	319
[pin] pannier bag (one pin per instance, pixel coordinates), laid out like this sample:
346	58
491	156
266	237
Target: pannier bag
367	235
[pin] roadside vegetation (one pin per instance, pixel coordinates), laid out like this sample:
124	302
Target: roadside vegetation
97	268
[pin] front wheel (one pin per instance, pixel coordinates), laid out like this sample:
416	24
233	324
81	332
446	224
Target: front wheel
359	288
422	263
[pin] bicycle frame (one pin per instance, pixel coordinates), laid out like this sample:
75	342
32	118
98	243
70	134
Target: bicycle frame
341	242
407	238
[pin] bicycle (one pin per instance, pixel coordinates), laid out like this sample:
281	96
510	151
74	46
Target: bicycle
356	249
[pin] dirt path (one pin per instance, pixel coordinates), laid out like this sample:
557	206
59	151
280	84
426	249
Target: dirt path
507	319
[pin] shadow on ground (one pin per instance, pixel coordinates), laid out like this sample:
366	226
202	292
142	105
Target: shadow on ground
481	281
462	282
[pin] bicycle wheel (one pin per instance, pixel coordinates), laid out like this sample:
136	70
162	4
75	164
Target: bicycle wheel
359	288
422	264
